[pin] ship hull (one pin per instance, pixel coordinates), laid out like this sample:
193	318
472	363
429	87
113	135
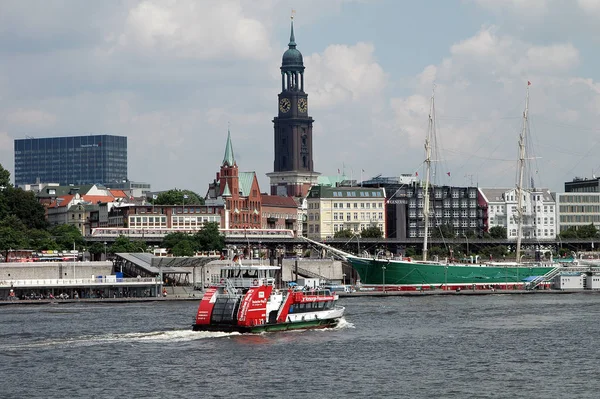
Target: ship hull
300	325
403	273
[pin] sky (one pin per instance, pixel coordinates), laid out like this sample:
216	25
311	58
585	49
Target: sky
174	75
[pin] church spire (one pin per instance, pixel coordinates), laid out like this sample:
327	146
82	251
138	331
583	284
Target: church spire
292	43
228	158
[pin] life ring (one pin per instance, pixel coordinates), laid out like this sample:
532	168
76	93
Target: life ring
255	282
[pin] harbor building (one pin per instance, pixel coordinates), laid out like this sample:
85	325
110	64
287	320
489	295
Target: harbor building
331	209
539	212
577	209
71	160
293	169
583	185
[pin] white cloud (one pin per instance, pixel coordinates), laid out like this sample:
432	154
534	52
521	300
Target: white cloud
191	29
343	73
517	6
32	118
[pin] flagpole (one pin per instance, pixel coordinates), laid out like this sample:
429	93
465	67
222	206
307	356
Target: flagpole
361	177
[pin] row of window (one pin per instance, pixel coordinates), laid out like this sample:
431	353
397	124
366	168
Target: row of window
447	213
361	194
363	216
354	227
367	205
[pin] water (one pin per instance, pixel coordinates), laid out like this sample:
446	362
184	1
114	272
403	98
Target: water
425	347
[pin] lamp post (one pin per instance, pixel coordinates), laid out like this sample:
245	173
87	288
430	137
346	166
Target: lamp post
383	269
466	238
344	278
105	250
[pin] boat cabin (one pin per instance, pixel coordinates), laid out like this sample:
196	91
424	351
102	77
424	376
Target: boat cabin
248	276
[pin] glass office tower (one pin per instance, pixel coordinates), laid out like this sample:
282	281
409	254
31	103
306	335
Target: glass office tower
71	160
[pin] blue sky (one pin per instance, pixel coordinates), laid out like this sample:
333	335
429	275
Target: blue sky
172	75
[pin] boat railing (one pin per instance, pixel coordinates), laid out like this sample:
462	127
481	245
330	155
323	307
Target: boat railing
245	282
546	277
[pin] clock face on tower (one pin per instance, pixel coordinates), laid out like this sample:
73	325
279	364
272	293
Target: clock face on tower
285	105
302	106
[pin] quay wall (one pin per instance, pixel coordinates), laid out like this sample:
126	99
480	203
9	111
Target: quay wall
54	270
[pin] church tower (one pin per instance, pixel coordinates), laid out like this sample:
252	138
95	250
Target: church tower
293	171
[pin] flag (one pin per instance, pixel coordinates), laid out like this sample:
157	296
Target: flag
416	173
154	196
362	170
185	196
528	83
338	171
448	173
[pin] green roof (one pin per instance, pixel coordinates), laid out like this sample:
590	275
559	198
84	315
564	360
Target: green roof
61	191
228	159
246	179
346	192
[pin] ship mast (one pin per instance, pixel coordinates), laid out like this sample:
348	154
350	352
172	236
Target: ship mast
430	132
520	210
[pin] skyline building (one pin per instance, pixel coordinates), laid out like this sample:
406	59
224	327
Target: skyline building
93	159
293	169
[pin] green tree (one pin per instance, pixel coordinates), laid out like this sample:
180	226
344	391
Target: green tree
498	232
588	231
13	235
4	177
443	231
96	249
173	240
41	240
67	237
24	205
178	197
346	233
371	232
124	244
183	248
210	238
571	232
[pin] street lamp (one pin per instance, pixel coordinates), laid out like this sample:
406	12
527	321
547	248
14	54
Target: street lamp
383	269
467	238
105	250
344	278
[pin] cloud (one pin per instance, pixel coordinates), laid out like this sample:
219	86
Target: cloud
343	73
515	6
205	30
31	118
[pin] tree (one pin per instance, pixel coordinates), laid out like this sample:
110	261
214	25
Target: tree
41	240
588	231
346	233
96	250
4	177
67	237
124	244
22	204
571	232
183	248
13	235
177	197
210	238
498	232
371	232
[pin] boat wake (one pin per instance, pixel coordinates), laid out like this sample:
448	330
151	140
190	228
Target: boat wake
92	340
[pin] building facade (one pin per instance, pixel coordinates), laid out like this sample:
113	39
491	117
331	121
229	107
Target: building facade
577	209
236	193
331	209
71	160
293	170
279	212
539	212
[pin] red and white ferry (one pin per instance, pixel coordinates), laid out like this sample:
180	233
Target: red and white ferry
246	300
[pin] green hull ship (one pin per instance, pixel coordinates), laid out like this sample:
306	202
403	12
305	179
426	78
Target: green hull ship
384	272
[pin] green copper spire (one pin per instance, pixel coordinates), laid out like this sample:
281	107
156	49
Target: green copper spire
292	42
228	158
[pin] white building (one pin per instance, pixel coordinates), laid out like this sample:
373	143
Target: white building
569	281
331	209
539	212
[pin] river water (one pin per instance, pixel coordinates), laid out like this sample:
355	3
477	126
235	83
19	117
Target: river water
496	346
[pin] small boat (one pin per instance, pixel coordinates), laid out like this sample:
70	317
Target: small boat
246	300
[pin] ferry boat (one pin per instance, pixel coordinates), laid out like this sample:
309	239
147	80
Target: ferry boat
246	300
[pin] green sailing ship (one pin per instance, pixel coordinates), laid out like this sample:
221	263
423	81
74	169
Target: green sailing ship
404	274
